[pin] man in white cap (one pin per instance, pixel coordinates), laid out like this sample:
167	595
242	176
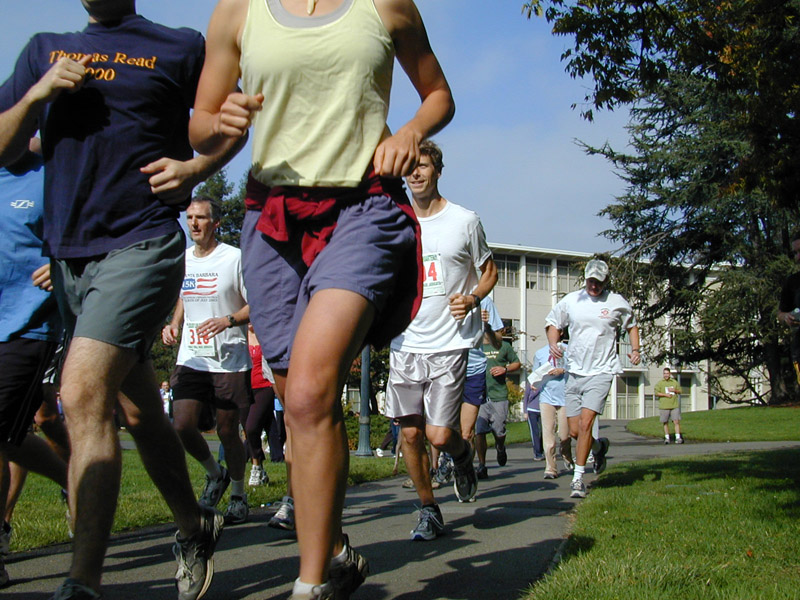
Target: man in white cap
594	316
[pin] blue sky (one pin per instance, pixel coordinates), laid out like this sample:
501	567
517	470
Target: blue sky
510	153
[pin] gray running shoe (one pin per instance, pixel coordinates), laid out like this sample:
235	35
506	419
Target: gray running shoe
3	573
237	510
599	449
5	539
430	524
284	516
214	488
666	440
347	576
72	589
481	472
679	440
195	556
578	489
465	481
258	476
320	592
408	484
548	475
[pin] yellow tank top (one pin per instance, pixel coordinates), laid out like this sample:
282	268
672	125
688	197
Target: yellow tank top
326	83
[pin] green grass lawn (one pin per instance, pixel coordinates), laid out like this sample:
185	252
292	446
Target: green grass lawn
734	425
710	527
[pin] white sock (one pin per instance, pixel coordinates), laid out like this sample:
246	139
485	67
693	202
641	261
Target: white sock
666	436
577	475
677	436
237	487
305	588
212	467
340	558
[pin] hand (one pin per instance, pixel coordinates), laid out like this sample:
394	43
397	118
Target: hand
635	357
556	372
790	320
41	278
169	334
172	180
236	114
485	316
556	351
397	155
211	327
498	371
65	75
460	305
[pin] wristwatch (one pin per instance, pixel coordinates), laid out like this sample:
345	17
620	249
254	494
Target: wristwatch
232	321
477	300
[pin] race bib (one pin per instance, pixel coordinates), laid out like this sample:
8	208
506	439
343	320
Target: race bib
199	345
433	275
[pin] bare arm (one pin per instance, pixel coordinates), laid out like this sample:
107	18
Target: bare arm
398	154
635	354
220	112
19	123
170	334
173	180
553	337
461	304
211	327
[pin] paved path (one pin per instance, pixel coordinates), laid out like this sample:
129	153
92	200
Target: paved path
494	547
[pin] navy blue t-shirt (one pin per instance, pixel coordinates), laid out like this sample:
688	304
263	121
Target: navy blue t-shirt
132	109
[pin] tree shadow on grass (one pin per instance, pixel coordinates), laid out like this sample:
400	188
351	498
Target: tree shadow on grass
777	469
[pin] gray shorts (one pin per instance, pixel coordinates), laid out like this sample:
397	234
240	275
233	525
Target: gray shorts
670	414
427	384
492	418
587	391
121	298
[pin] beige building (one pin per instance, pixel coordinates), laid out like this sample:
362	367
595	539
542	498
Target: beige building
532	280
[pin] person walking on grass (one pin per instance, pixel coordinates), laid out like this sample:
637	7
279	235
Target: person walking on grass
668	391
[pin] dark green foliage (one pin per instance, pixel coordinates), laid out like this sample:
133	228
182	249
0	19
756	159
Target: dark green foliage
712	191
232	204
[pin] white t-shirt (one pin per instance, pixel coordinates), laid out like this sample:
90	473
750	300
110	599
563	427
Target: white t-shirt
593	324
213	287
453	247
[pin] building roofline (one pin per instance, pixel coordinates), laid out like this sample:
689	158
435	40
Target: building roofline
549	252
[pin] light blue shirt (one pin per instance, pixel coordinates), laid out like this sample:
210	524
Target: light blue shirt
552	388
476	359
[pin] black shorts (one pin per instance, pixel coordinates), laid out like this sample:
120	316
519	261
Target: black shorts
225	391
24	364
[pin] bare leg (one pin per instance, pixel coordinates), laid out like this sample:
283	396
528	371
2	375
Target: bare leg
186	416
49	421
36	455
93	376
469	416
329	337
16	481
228	432
480	447
434	457
666	429
416	457
583	425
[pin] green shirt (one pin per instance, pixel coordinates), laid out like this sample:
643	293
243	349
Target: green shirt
496	386
673	401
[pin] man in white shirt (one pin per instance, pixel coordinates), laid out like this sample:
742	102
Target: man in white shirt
213	360
428	360
594	316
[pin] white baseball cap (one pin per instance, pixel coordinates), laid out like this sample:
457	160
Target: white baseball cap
596	269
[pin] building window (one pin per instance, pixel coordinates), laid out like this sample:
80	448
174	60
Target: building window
627	397
685	381
569	277
538	275
507	270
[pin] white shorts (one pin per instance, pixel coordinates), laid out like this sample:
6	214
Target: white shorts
430	385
